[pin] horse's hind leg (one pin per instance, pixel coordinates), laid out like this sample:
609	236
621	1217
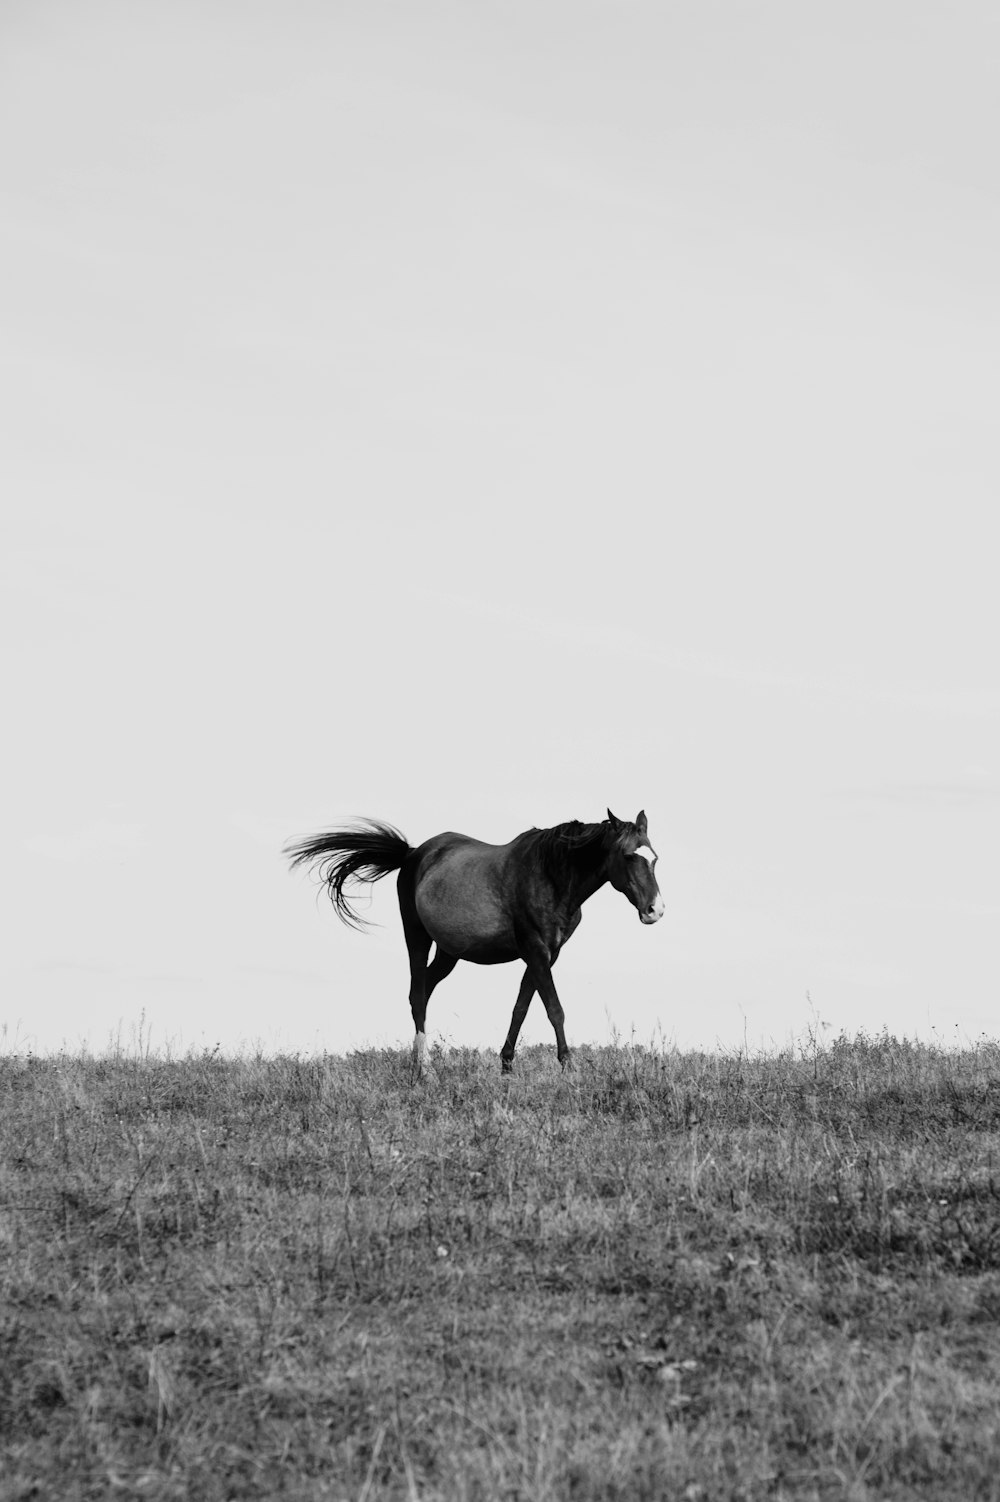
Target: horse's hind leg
440	966
418	946
521	1006
423	979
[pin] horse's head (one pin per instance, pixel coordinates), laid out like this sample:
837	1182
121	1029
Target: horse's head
631	867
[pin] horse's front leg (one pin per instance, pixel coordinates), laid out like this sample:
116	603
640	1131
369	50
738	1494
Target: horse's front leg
540	973
521	1006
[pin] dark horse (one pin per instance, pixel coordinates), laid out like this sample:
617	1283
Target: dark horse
489	903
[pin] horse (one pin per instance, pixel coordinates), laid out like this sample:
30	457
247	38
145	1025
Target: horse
488	904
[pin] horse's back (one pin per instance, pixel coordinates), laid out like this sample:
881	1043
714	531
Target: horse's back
452	842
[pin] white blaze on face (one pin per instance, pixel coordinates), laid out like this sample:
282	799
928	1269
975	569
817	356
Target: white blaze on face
654	913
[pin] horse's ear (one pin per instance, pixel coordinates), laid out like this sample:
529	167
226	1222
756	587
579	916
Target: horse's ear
612	820
640	822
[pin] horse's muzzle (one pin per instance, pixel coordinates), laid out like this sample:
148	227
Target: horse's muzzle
654	912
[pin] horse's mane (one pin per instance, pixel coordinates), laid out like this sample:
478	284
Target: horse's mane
560	847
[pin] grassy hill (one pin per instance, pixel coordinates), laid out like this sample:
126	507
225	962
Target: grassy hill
661	1275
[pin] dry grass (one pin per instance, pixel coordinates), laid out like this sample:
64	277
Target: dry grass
662	1276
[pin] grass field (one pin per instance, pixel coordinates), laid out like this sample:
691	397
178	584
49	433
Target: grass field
661	1275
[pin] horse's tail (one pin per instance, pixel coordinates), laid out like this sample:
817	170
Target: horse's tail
365	852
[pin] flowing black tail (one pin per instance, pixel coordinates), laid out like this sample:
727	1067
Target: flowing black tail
366	852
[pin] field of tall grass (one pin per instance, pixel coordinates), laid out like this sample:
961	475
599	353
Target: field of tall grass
660	1275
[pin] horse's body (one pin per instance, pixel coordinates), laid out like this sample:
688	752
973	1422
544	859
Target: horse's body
490	904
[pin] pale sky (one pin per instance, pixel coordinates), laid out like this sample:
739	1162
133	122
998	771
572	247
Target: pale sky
474	416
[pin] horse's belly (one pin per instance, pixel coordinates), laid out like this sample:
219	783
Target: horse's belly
461	910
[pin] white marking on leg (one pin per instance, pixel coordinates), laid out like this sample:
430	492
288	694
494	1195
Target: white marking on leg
419	1050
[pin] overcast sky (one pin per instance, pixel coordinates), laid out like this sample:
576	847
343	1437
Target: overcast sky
474	416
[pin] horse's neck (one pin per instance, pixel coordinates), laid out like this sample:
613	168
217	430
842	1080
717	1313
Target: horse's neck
588	878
